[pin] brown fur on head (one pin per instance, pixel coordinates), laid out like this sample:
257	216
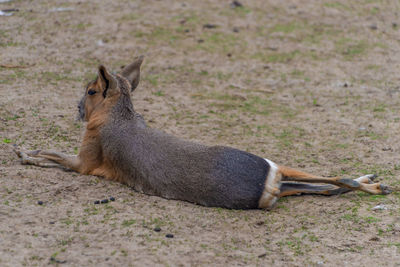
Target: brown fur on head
106	86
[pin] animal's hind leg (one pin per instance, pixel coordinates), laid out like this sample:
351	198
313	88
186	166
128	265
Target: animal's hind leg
289	174
290	189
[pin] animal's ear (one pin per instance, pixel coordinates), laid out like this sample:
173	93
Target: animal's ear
132	72
107	81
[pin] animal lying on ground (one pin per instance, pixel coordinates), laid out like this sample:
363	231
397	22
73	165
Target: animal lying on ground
119	146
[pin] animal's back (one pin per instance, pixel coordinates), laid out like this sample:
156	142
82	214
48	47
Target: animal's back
156	163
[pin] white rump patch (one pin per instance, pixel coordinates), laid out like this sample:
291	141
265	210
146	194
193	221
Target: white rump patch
271	188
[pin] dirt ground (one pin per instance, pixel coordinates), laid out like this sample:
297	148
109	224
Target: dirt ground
309	84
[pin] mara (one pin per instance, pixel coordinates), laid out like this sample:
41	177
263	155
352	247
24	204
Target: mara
119	146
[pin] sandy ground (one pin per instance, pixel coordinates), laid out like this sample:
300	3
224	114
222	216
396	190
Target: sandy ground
312	85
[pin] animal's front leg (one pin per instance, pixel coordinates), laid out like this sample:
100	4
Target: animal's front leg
49	158
41	162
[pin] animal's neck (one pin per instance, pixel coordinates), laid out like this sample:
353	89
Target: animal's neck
100	114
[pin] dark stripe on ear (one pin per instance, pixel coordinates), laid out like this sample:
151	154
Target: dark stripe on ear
103	75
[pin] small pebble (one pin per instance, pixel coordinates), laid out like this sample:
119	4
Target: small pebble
157	229
209	26
112	198
11	10
100	43
52	259
40	202
380	207
169	236
236	4
373	27
6	13
375	238
97	202
52	222
104	201
62	9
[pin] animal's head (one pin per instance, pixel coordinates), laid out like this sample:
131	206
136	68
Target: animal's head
109	86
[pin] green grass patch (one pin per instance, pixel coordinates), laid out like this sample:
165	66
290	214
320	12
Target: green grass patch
298	74
159	93
190	19
372	135
350	48
380	108
352	217
287	136
371	219
241	12
12	77
129	17
252	104
214	42
378	170
7	141
338	5
276	57
83	26
152	78
372	67
160	35
127	223
286	28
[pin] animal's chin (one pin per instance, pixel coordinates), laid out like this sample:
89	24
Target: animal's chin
80	116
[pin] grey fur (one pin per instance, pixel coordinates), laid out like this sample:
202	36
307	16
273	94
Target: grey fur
157	163
81	109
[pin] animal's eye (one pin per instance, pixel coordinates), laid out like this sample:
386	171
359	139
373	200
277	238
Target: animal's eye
91	92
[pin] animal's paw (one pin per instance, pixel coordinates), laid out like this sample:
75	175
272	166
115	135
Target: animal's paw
385	189
21	154
17	150
34	153
24	155
367	179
